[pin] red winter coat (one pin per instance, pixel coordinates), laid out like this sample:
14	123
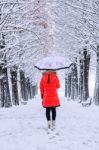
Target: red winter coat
48	87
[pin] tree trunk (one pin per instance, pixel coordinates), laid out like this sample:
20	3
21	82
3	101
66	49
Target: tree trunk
31	95
66	85
23	86
6	90
74	82
69	86
96	92
29	88
14	86
19	86
83	76
86	75
81	80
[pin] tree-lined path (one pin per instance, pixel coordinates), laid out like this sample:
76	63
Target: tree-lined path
31	30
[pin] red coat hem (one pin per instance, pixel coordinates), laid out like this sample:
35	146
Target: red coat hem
51	106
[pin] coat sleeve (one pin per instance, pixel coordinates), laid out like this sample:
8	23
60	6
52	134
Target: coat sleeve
57	83
41	87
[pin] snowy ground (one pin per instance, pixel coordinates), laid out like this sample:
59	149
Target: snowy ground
24	127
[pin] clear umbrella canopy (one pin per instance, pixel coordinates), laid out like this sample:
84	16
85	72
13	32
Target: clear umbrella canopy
53	63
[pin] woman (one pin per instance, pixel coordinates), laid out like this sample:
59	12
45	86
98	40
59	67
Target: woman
48	87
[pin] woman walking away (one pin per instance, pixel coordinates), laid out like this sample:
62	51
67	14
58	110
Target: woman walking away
48	87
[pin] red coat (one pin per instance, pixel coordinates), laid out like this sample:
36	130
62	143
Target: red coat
48	87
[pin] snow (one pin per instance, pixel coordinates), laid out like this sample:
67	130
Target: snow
24	127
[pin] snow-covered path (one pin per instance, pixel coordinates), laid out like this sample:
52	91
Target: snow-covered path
24	127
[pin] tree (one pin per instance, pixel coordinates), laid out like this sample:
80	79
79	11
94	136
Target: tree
96	92
15	97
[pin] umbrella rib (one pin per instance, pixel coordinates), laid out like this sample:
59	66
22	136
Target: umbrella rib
54	69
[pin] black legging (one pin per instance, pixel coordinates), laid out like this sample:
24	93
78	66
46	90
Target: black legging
53	110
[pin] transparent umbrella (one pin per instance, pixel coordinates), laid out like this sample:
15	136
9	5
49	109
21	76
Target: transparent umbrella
53	63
